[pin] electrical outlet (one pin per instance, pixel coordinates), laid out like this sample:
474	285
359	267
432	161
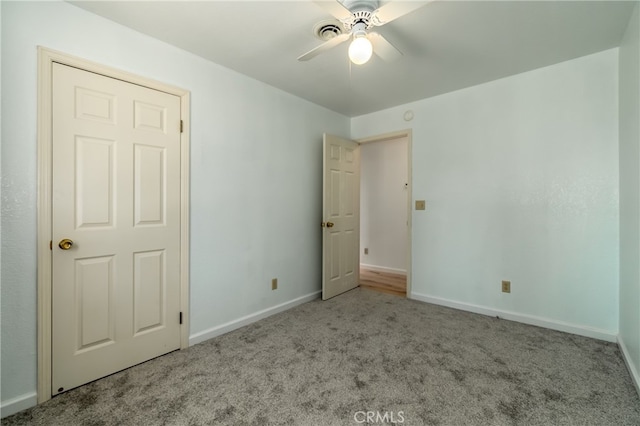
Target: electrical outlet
366	251
274	284
421	204
506	286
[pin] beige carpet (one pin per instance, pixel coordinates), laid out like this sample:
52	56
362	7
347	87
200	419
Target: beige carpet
329	363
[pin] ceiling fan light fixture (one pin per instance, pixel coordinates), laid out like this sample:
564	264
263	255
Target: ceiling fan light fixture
360	50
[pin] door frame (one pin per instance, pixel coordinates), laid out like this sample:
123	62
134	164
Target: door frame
400	134
46	59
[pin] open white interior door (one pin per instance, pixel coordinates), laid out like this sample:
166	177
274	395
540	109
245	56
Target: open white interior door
341	216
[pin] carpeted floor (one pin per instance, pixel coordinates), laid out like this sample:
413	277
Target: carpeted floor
329	363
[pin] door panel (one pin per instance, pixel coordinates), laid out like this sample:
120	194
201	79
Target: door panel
94	313
149	290
150	190
116	195
341	211
94	198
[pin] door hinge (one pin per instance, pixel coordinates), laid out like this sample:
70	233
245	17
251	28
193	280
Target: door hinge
181	126
180	317
50	244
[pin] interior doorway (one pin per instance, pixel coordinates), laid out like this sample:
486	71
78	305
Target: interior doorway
385	213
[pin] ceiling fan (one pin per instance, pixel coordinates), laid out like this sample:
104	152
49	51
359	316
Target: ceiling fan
357	18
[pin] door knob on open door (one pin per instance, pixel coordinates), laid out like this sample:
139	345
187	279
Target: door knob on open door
65	244
330	224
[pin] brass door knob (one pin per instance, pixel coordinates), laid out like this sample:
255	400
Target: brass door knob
65	244
330	224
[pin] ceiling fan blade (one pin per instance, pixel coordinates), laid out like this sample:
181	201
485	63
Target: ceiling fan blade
336	9
395	9
383	48
324	47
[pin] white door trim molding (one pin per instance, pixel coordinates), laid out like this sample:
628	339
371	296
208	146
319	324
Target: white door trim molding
46	59
389	137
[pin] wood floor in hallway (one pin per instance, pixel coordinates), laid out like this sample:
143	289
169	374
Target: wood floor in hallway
384	282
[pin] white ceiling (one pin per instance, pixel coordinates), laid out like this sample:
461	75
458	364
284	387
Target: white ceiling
447	45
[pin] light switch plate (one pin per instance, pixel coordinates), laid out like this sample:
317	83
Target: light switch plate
420	204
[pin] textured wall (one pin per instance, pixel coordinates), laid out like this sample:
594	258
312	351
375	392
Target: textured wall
630	191
520	176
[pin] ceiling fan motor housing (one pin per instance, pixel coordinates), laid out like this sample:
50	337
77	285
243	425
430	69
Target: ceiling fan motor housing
361	14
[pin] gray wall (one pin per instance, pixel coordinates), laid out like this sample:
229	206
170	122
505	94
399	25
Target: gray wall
630	193
520	176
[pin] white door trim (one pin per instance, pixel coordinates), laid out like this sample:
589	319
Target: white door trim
388	137
46	58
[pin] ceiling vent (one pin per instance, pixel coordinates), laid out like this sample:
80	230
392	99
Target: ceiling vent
326	30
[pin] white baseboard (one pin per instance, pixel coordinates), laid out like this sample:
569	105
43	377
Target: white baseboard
383	269
609	336
633	369
246	320
17	404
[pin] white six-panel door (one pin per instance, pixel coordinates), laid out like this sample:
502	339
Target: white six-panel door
116	196
341	220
